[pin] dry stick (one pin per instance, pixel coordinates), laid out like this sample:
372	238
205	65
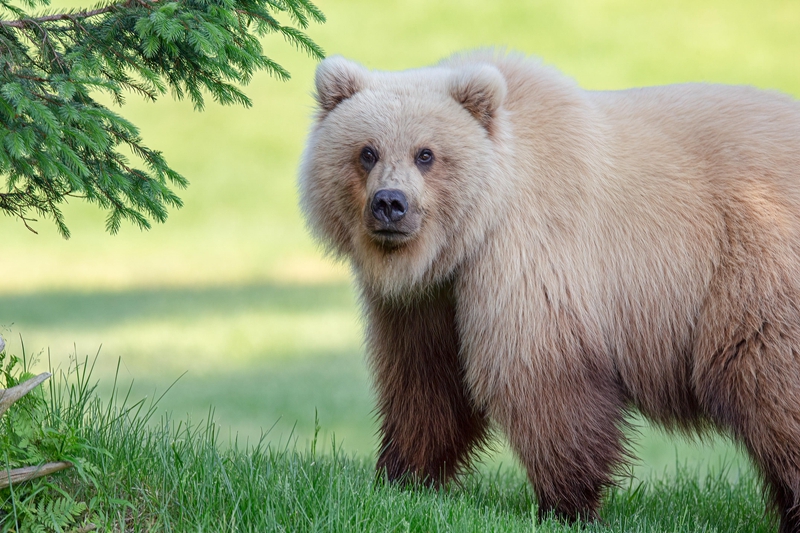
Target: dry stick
9	396
18	475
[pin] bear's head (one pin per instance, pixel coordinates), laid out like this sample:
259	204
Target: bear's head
402	170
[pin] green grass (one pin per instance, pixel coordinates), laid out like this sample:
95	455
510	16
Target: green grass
232	290
145	471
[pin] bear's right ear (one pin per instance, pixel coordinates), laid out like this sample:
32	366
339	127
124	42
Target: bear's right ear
338	79
481	89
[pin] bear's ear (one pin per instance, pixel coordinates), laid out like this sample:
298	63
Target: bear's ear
338	79
481	89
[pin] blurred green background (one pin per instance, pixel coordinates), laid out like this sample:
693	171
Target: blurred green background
232	291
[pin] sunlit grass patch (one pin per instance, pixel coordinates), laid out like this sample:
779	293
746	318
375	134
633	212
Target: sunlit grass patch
145	470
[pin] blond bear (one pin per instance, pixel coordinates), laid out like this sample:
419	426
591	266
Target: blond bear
544	259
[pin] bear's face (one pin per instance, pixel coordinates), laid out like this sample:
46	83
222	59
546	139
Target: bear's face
399	174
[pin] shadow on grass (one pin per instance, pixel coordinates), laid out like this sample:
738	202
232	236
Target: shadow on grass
683	502
280	397
687	501
65	308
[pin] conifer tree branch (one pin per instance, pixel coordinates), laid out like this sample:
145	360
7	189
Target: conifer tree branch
57	141
22	23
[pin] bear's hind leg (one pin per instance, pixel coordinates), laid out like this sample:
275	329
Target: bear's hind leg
752	388
429	425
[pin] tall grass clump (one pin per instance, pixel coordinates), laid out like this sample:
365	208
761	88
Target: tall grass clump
135	469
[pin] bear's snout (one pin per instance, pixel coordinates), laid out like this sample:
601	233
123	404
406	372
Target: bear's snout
391	218
389	206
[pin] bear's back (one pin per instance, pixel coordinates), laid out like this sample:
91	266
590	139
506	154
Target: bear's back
728	132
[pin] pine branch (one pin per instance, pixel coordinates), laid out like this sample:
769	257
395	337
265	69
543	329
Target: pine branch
22	23
57	141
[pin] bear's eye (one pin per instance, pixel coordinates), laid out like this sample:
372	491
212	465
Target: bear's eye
424	157
368	158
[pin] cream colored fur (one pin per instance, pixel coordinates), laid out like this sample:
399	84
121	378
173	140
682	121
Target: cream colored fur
644	242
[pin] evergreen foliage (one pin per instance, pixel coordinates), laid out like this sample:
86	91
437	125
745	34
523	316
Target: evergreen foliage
57	141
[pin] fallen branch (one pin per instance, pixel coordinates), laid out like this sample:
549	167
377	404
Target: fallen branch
9	396
18	475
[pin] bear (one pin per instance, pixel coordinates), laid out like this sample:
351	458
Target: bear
543	260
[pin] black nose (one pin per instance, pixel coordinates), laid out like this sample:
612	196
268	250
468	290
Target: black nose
389	205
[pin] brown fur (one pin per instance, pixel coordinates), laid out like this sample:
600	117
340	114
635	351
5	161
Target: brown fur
574	254
429	426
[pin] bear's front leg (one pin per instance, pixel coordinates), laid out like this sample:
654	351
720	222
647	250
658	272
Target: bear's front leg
429	425
565	422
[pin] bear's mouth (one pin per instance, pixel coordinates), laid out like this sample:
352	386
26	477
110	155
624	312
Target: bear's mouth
389	238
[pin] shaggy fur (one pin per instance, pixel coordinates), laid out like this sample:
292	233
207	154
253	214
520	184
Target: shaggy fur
568	255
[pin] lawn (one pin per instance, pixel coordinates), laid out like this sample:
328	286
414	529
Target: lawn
231	293
136	469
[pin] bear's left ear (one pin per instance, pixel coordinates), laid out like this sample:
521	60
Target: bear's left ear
338	79
481	89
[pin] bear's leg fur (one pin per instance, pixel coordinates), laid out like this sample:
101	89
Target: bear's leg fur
750	387
747	349
566	425
429	425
